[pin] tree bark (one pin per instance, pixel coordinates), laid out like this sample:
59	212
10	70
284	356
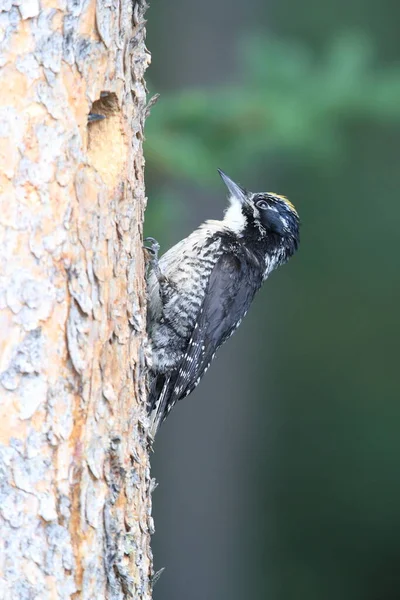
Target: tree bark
74	468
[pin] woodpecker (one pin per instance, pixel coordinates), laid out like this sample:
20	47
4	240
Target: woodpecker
200	290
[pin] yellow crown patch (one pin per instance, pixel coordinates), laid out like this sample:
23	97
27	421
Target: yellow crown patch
285	200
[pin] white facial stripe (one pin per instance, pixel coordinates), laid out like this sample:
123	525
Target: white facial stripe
234	217
271	263
284	221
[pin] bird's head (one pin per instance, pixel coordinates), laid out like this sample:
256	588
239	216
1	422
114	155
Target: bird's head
263	217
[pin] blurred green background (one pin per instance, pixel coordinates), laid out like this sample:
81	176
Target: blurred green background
279	476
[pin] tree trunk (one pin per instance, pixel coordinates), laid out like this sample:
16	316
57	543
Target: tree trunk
74	468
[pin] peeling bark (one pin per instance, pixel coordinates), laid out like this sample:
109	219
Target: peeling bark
75	507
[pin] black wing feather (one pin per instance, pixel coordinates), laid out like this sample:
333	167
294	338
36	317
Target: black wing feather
231	288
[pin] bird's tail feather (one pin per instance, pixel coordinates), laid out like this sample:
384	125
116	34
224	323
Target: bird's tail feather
158	399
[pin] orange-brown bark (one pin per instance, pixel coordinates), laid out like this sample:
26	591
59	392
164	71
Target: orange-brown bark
74	472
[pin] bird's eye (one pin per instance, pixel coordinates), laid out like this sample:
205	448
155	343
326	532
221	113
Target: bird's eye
262	204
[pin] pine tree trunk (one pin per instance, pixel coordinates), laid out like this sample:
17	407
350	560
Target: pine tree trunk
74	469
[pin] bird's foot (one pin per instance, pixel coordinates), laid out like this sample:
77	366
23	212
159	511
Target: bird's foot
152	248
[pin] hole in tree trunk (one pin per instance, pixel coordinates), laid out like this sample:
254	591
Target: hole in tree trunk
107	142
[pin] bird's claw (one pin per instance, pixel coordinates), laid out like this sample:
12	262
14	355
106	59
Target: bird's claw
152	247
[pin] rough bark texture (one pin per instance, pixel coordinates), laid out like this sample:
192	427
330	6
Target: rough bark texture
74	471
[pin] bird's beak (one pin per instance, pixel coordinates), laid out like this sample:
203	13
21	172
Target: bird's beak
234	189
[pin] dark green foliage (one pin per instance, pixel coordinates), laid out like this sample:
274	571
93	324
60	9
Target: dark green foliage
288	100
312	376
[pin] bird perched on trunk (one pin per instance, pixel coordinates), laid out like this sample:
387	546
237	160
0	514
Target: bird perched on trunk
200	290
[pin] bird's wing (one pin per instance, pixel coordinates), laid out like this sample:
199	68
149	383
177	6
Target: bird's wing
230	290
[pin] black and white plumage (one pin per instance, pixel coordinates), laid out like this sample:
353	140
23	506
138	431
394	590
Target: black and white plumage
200	290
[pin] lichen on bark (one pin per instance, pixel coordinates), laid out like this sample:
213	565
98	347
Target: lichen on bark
75	506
